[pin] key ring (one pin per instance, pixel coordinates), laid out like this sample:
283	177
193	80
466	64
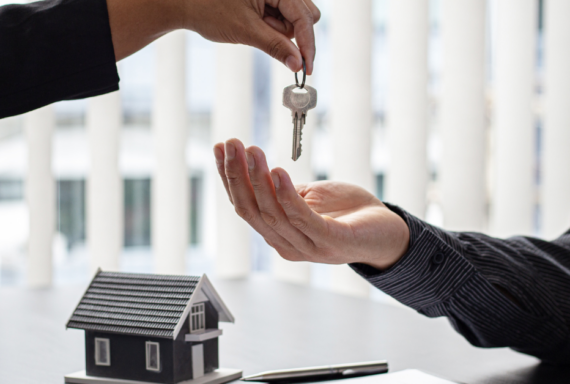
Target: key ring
304	76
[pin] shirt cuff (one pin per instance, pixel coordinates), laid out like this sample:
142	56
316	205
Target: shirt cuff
431	271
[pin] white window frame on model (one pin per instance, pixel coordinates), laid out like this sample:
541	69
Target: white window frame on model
148	347
98	342
198	318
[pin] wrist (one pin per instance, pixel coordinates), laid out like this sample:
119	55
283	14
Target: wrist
174	15
194	11
181	13
396	241
136	23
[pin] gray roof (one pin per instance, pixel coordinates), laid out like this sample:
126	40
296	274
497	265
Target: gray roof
134	304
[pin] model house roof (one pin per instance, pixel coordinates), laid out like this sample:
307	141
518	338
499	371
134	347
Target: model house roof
143	304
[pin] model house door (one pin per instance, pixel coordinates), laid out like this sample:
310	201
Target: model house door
197	361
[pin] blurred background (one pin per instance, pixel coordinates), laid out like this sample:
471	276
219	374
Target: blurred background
456	110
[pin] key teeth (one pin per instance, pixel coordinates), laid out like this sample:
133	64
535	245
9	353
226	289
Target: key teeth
299	122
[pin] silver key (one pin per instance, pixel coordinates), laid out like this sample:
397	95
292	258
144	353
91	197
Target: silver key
299	101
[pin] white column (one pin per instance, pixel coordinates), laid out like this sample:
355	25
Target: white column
232	117
40	195
170	215
514	191
462	115
300	170
407	176
555	196
351	111
105	184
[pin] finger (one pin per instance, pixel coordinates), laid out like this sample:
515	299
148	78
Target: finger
282	26
242	195
270	210
219	155
300	15
276	45
272	11
300	215
301	189
314	10
284	254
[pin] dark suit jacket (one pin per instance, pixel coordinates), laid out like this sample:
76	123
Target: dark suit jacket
54	50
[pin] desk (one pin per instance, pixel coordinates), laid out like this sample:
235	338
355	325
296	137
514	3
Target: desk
278	325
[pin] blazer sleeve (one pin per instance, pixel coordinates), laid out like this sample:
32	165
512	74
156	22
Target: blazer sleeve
54	50
495	292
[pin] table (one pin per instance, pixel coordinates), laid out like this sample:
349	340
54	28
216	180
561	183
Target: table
278	325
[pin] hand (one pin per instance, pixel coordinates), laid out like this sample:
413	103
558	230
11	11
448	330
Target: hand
265	24
324	222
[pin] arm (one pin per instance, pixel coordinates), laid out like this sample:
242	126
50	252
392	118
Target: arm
265	24
495	292
56	50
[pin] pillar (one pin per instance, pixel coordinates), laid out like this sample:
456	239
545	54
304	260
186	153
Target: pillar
40	195
407	109
462	115
105	184
170	205
351	112
232	117
555	193
514	123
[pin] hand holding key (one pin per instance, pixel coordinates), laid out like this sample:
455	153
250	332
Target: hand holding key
265	24
324	222
299	98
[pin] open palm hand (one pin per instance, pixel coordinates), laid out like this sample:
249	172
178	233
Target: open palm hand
325	221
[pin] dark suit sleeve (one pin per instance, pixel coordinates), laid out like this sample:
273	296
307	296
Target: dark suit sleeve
496	292
54	50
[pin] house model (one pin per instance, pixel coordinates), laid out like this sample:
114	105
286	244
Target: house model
152	329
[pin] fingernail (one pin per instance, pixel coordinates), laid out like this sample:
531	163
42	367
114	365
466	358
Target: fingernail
276	179
230	150
291	63
250	160
218	155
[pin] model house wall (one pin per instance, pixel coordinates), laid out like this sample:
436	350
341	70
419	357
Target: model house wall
128	354
128	358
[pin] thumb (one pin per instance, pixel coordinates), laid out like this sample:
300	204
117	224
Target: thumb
276	45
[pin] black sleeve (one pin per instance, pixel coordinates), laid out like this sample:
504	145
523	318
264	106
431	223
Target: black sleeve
496	292
54	50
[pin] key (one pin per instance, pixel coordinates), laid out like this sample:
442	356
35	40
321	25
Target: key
299	101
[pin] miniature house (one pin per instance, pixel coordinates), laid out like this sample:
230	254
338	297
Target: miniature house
150	328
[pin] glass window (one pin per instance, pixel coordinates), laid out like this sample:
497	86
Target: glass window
137	217
11	189
198	318
152	356
102	352
71	210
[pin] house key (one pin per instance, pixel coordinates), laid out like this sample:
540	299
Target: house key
299	98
